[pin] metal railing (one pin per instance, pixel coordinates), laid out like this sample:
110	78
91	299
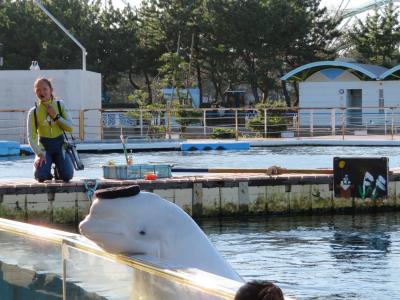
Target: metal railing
85	268
235	123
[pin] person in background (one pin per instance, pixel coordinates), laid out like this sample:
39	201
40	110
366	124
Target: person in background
259	290
46	124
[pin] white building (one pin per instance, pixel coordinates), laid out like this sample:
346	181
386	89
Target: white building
358	92
81	91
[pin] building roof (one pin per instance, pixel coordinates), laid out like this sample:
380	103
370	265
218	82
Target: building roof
393	73
362	71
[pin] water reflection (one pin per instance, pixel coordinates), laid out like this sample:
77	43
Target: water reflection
350	245
319	257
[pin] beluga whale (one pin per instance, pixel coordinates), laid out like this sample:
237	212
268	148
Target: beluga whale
125	220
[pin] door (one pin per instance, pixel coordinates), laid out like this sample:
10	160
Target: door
354	107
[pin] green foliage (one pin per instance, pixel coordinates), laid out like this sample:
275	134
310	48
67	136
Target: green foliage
28	34
223	133
276	120
376	40
185	117
171	43
157	131
173	72
139	97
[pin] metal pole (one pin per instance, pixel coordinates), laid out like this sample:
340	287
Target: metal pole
101	125
169	124
343	123
312	122
82	125
385	120
37	2
141	123
392	122
333	121
205	122
265	123
236	125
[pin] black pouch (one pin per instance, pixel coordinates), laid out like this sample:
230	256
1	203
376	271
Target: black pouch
74	155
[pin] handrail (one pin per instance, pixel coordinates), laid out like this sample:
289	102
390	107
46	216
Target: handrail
211	284
239	123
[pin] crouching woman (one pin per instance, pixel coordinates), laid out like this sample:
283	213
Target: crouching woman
46	124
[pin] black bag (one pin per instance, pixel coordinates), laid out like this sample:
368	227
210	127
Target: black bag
70	149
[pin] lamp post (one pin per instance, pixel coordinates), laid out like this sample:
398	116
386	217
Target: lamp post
37	2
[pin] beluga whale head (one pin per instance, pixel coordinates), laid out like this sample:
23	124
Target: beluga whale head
124	220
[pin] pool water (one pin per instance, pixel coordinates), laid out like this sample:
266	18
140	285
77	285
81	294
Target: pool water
309	257
323	257
286	157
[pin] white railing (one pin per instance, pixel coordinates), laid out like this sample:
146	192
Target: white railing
236	123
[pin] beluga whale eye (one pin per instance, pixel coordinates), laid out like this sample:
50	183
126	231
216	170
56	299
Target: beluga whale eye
142	232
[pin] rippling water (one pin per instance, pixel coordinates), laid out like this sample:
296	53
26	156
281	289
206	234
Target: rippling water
327	257
287	157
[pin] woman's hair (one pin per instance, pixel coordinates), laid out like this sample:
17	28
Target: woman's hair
46	81
259	290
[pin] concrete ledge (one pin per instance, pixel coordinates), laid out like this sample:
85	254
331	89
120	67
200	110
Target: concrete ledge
217	195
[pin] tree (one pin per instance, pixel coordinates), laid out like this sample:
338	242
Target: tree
21	43
313	42
266	35
108	36
376	40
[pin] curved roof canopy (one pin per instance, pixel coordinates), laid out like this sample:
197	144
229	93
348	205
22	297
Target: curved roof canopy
393	73
362	71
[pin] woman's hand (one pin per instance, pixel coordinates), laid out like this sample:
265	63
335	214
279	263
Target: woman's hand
51	111
39	161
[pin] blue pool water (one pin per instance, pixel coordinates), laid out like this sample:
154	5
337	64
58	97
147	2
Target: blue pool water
286	157
328	257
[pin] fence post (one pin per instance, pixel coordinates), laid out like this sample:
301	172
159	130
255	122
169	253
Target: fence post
265	123
312	122
392	127
24	118
385	120
82	125
343	109
141	123
298	124
101	125
204	122
333	121
236	125
169	125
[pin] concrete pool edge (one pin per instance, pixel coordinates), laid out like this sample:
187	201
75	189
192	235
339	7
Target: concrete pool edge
175	145
217	195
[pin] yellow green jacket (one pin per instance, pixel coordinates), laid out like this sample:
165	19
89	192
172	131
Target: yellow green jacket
46	127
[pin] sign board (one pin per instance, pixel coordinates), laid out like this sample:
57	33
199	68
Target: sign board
361	177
